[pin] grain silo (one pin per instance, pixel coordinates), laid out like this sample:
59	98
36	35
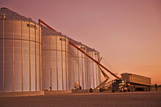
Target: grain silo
20	53
55	60
78	65
94	78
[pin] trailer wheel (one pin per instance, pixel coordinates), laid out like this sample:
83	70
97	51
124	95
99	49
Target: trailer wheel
146	89
128	90
122	90
91	90
132	89
101	90
149	89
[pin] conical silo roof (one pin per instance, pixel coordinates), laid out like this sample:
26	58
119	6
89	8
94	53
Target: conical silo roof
74	41
79	43
46	32
11	15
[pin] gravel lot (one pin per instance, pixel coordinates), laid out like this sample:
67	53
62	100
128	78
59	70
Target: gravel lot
127	99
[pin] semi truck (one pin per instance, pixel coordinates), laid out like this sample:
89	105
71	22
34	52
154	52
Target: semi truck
131	82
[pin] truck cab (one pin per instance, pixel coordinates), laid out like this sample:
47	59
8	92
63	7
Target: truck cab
119	85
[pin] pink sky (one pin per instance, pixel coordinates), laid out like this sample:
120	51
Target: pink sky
127	33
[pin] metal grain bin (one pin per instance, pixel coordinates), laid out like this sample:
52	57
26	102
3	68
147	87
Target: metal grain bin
94	76
138	79
20	53
77	65
55	60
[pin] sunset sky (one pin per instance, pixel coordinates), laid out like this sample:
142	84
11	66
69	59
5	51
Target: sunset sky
127	33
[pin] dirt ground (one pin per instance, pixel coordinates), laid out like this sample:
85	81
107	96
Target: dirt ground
118	99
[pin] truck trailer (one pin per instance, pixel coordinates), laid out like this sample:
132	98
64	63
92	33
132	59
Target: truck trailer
131	82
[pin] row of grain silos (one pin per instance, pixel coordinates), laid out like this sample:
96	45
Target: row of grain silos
34	57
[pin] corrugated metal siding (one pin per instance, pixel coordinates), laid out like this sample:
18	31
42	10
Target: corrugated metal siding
55	60
77	66
20	53
93	70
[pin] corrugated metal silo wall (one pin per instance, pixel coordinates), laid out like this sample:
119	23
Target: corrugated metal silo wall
20	54
55	62
94	78
77	67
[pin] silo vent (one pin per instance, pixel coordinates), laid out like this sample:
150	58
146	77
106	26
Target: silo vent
3	16
3	8
60	33
62	39
30	18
